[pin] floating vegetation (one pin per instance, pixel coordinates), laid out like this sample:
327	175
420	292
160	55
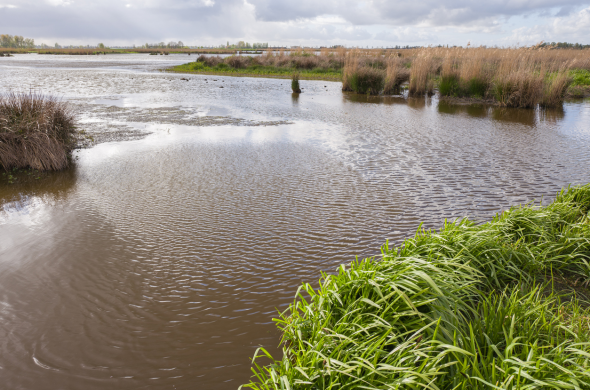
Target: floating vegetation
501	305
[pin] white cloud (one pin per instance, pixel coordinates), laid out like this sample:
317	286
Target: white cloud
288	22
575	27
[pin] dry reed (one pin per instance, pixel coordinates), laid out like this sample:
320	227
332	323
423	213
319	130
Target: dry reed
396	74
513	77
36	131
421	75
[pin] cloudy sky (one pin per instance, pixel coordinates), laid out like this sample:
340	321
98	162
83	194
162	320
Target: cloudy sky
298	22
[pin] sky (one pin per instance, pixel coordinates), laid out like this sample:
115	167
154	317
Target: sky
353	23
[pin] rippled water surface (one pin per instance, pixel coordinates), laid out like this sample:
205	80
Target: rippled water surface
159	260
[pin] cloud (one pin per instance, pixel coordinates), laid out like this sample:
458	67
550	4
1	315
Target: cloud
312	22
402	12
574	27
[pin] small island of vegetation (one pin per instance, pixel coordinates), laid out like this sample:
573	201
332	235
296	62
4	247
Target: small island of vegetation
36	131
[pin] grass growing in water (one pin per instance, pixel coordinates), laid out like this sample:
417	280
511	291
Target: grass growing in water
467	307
512	77
295	83
36	131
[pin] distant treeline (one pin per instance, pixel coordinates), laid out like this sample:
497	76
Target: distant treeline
564	45
16	42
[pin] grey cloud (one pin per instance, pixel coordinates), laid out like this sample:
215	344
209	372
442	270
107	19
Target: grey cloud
398	12
278	21
565	11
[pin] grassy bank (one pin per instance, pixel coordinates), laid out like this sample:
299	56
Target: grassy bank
36	131
468	307
580	87
308	67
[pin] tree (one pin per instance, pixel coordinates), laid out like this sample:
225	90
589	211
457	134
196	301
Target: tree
101	45
6	40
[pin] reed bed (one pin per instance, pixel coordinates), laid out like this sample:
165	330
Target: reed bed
511	77
36	131
466	307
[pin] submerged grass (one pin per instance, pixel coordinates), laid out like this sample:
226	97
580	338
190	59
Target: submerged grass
36	131
467	307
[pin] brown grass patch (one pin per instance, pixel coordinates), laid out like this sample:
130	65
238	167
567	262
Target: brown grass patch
35	131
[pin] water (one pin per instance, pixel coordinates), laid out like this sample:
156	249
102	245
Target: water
159	260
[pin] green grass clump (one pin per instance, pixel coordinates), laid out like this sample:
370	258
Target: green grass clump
449	85
477	87
467	307
452	85
295	83
367	81
580	77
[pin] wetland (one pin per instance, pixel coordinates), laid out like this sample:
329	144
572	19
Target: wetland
196	205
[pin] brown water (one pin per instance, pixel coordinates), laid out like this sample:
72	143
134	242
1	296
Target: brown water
159	260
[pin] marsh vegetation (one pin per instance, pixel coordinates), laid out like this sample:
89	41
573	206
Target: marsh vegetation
274	64
500	305
36	131
514	77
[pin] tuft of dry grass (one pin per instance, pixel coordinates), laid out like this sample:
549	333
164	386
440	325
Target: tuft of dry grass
36	131
351	65
517	83
395	74
421	75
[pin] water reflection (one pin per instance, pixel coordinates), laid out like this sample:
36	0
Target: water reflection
552	115
388	100
473	110
26	186
527	117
